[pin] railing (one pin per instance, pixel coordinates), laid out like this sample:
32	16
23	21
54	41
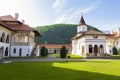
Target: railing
20	44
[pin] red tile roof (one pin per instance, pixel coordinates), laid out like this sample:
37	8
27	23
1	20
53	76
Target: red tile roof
7	18
109	36
20	27
8	22
56	46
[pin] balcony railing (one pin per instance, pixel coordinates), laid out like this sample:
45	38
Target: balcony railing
20	44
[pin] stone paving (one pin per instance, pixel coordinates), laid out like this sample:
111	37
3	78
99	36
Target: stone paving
49	58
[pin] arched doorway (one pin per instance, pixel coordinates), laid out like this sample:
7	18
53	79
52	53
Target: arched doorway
95	50
6	52
101	49
90	48
20	52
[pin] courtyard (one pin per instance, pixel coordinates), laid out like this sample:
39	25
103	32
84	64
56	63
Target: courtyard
95	69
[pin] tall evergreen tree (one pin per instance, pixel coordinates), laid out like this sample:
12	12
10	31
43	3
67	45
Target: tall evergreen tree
115	51
63	52
44	51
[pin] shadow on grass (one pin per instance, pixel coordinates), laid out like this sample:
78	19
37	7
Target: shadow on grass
46	71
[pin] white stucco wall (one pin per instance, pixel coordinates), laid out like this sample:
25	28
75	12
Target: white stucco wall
81	28
26	50
86	41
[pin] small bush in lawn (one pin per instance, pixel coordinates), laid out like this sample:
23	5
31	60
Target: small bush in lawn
68	56
63	52
119	51
44	51
55	51
115	51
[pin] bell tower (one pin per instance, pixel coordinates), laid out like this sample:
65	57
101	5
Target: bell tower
82	26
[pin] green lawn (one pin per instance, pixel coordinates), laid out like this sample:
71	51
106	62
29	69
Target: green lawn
71	56
116	56
82	70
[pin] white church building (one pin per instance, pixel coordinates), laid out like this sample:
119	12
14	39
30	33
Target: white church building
91	43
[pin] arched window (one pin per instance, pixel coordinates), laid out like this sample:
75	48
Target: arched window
20	52
3	37
90	48
14	51
7	39
6	52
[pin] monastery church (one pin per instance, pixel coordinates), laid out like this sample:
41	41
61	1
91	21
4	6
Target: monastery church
91	43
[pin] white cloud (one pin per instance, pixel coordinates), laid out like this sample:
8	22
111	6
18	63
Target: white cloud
67	17
72	15
58	5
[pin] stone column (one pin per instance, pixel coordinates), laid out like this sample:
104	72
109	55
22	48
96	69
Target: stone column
93	50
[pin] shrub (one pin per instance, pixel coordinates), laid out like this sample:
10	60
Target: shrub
44	51
68	56
119	51
55	51
115	51
63	52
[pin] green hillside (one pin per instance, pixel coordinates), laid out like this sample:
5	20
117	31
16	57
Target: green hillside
57	33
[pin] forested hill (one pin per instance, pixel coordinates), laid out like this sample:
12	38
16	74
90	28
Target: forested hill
57	33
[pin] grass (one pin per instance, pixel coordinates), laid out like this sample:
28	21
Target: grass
57	55
82	70
74	56
116	56
71	56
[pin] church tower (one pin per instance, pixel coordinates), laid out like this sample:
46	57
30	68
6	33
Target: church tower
82	26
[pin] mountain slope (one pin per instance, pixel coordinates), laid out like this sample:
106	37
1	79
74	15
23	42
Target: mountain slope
58	33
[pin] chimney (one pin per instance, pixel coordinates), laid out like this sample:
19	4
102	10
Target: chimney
16	15
23	21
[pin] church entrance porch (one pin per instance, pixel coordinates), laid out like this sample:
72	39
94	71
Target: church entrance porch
95	50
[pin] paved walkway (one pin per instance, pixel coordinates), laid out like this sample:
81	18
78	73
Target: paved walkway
50	58
41	59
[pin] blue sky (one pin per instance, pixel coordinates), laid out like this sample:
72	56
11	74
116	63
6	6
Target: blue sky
103	14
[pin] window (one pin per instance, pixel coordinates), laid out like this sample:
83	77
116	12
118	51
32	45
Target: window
14	51
3	37
95	36
90	48
7	39
110	51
